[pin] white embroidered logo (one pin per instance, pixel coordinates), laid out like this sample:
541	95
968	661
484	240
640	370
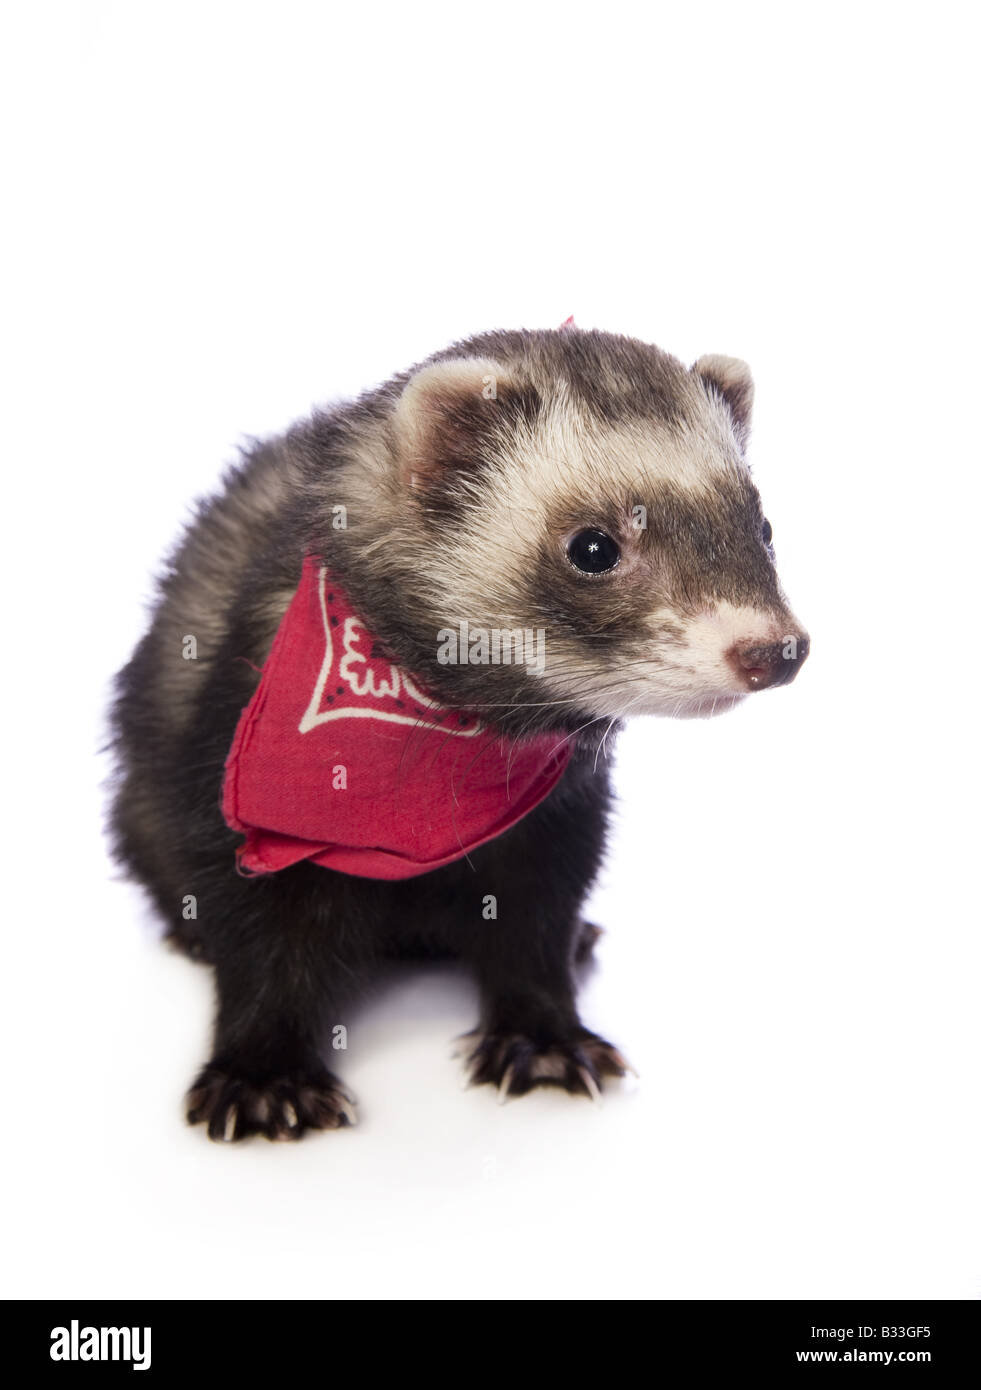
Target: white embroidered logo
363	685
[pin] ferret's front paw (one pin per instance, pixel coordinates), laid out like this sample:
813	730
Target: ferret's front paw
515	1063
281	1107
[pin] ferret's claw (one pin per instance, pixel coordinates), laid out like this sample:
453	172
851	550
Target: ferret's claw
591	1086
230	1120
504	1089
621	1061
462	1043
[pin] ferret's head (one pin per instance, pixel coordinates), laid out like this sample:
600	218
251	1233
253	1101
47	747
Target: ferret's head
592	493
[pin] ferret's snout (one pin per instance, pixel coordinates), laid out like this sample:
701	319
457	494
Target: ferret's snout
761	665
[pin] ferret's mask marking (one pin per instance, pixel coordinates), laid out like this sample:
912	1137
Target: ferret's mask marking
341	758
501	464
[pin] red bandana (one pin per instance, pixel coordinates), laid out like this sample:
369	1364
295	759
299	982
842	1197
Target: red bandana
341	758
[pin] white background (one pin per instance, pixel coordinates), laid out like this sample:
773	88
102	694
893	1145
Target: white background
216	215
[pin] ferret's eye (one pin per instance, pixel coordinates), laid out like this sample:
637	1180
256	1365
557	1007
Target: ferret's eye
767	532
593	552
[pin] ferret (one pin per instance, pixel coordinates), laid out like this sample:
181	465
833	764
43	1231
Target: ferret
325	629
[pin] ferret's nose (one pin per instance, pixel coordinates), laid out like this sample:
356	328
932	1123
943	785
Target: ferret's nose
772	663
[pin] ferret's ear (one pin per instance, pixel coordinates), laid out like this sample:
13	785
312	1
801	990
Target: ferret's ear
443	413
733	380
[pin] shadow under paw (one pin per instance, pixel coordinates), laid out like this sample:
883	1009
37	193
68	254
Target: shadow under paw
280	1107
516	1063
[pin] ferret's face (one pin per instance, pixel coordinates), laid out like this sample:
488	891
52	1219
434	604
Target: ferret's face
594	498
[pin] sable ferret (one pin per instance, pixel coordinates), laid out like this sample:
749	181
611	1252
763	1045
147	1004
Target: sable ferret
579	484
